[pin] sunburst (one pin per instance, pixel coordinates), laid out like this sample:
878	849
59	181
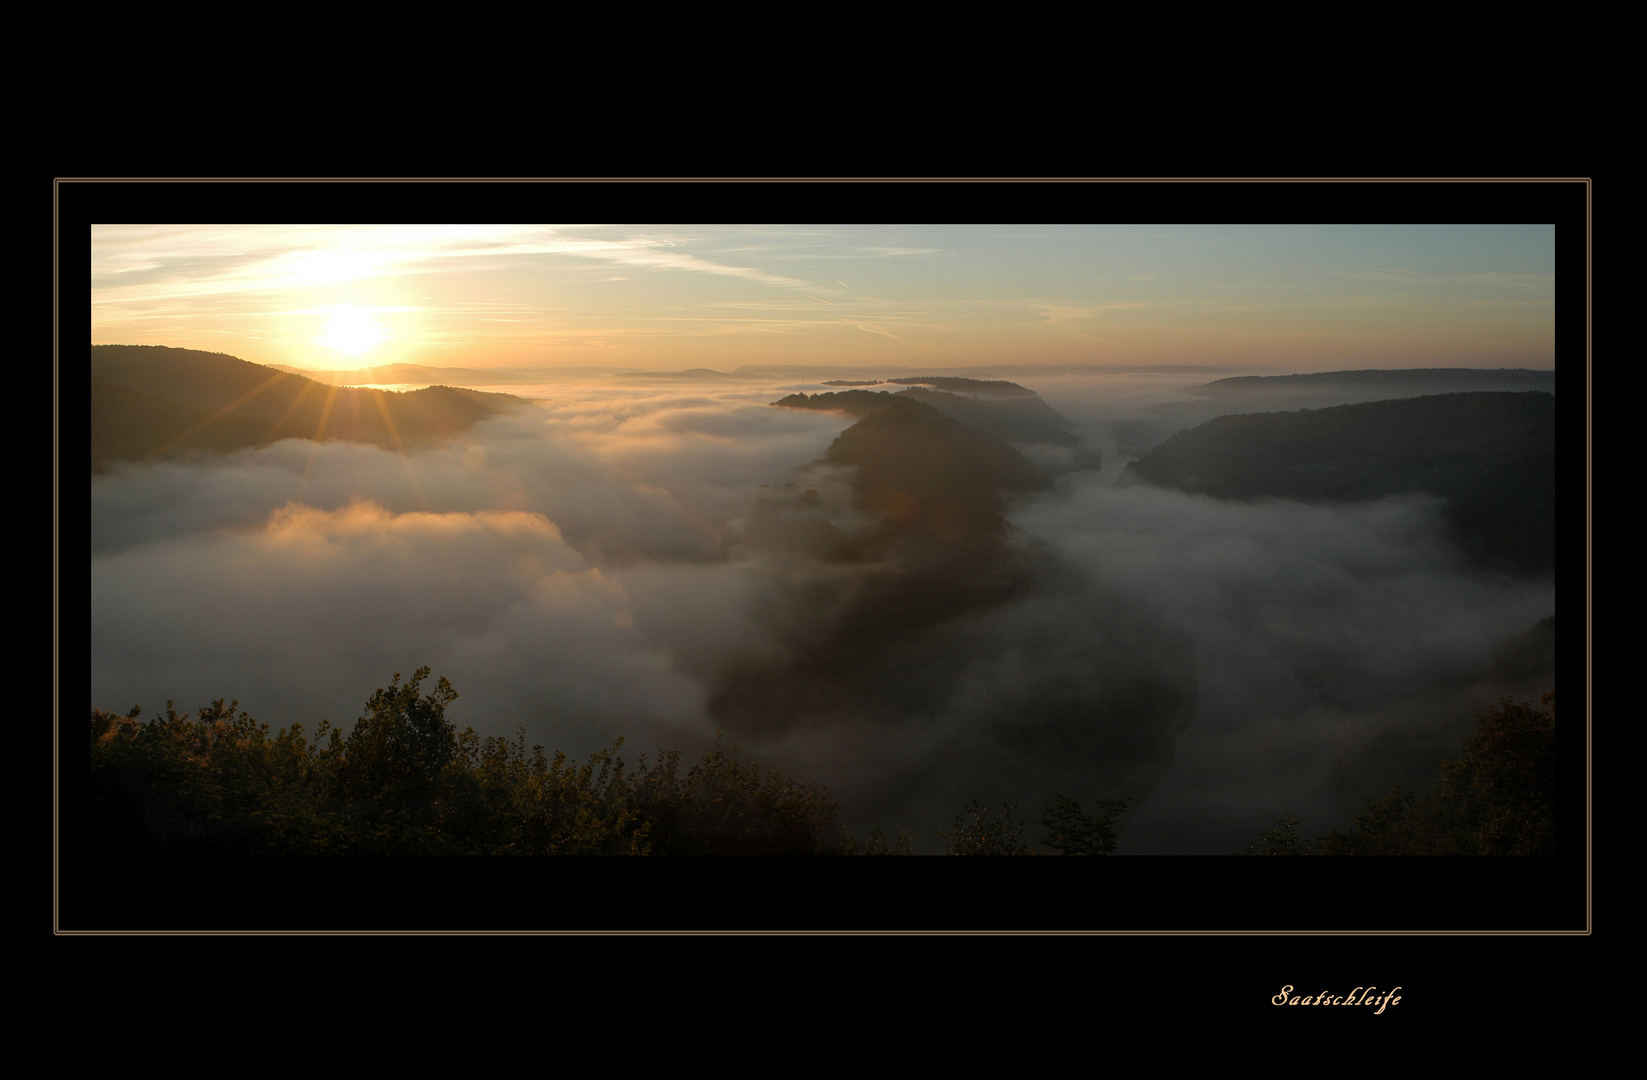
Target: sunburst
352	331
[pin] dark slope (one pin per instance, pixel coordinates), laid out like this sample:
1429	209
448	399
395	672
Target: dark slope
150	401
1015	419
1490	455
1138	435
851	402
1006	410
902	601
996	388
927	542
1384	384
930	475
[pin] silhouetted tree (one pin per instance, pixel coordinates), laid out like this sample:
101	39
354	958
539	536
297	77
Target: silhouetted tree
1070	831
1498	798
976	833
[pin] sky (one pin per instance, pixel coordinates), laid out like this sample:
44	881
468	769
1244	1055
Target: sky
1262	298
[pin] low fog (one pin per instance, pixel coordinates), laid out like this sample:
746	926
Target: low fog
661	559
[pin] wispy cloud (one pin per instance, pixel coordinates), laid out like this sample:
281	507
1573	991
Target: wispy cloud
658	252
899	252
277	257
1065	314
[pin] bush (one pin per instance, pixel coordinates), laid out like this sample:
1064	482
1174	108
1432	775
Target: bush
724	807
1499	798
976	833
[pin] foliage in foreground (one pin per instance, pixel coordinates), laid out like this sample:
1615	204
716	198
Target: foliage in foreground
1498	798
1070	830
405	781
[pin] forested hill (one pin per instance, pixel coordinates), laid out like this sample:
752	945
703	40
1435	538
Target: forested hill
1139	434
151	401
1006	410
1490	455
994	388
1432	380
931	474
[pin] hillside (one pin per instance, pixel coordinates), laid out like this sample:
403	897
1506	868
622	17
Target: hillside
1491	456
934	476
1377	383
900	589
1138	435
150	401
1003	409
995	388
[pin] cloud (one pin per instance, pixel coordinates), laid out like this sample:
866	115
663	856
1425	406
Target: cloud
1338	648
299	576
657	252
1064	314
293	612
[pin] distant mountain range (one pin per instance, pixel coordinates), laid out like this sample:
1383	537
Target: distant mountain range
1491	456
150	401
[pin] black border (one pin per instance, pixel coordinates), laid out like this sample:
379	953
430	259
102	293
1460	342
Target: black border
1225	897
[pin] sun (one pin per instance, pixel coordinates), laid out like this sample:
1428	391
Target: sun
351	330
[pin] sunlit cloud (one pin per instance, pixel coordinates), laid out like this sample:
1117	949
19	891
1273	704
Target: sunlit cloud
658	253
1063	315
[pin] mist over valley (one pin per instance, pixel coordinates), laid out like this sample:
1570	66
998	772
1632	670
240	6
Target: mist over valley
915	587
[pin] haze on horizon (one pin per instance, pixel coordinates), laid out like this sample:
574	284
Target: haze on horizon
1252	299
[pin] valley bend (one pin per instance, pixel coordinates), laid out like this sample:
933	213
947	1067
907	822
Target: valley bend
1131	540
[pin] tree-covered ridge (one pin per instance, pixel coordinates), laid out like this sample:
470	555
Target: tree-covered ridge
1006	410
932	475
851	402
1491	456
1146	429
1497	798
1403	382
1018	419
149	401
915	503
998	388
